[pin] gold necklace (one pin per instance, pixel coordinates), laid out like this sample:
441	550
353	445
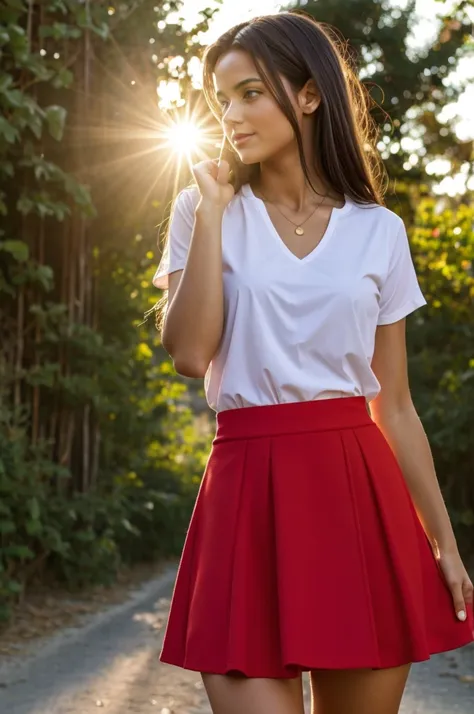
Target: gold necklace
299	230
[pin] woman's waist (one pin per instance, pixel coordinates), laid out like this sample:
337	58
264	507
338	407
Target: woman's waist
321	414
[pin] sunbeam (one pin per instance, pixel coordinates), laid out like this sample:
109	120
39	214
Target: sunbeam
184	137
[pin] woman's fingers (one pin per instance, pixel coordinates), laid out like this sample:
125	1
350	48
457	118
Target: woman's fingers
205	168
212	178
458	599
223	170
458	583
467	591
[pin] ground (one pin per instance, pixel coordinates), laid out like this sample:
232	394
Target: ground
110	661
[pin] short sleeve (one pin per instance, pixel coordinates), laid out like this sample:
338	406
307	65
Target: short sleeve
400	293
180	231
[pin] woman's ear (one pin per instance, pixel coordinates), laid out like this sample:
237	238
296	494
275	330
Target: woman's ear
308	97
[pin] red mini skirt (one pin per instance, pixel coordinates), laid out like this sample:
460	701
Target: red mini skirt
304	551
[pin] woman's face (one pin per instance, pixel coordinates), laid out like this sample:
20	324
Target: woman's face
252	120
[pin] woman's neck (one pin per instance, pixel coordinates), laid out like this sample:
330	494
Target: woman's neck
283	181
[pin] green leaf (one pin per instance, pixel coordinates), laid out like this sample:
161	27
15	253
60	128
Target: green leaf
129	527
44	275
63	79
18	551
7	169
17	248
33	528
35	123
34	509
60	31
14	587
45	376
25	205
102	30
58	6
37	67
81	195
5	81
16	98
17	29
41	204
56	119
8	132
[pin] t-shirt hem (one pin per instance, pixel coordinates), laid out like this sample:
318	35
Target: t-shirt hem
402	312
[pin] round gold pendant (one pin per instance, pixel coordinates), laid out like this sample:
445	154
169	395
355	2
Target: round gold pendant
299	231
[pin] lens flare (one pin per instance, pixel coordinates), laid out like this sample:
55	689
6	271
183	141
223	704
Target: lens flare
184	137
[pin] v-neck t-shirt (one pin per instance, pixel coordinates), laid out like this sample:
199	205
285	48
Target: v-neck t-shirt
298	329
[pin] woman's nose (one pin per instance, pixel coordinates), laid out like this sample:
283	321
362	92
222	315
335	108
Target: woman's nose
233	114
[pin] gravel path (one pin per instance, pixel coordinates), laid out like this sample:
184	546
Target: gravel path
112	663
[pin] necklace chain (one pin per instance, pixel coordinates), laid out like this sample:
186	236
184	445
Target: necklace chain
299	230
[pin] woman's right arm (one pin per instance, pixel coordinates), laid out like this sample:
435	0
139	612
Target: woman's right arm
194	320
195	316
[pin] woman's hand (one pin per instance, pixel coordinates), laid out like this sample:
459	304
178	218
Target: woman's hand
212	179
457	580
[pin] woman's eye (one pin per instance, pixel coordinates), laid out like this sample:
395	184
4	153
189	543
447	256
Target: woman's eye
248	94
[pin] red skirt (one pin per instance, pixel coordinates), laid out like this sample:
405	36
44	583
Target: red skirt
304	551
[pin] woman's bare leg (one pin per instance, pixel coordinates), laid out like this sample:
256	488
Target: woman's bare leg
358	691
252	695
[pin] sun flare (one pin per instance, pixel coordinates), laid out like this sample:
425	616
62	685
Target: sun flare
184	137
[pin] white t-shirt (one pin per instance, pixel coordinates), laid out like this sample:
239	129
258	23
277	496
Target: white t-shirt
299	329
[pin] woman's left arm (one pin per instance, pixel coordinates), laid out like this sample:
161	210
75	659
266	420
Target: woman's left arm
394	413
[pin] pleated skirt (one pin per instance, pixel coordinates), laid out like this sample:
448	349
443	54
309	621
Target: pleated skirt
304	551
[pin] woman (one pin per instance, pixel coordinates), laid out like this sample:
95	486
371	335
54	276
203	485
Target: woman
319	540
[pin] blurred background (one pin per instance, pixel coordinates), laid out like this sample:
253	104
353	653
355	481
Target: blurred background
102	445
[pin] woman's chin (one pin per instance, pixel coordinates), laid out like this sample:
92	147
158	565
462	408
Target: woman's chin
249	156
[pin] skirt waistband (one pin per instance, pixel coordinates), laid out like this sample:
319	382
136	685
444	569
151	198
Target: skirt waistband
292	418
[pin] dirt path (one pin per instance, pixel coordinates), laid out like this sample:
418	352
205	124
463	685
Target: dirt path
111	663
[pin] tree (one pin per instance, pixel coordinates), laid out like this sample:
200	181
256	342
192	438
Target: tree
91	420
408	91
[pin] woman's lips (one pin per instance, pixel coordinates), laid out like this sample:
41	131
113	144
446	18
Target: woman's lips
240	139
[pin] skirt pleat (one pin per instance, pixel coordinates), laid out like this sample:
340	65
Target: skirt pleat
304	551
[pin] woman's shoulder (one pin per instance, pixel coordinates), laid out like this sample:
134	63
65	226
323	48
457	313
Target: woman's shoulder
184	203
379	212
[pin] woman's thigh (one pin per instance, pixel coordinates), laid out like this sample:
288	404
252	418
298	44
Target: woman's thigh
358	691
252	695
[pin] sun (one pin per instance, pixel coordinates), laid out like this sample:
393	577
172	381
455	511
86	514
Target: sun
184	137
183	140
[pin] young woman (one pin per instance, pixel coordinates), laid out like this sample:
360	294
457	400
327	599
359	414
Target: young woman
319	540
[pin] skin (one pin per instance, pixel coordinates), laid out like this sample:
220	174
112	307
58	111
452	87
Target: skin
249	108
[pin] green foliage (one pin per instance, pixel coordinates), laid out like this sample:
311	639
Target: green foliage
100	456
409	89
83	539
442	339
17	248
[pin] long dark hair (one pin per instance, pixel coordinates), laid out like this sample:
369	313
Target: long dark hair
297	47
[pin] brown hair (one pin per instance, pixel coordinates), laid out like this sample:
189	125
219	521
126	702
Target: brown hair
297	47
